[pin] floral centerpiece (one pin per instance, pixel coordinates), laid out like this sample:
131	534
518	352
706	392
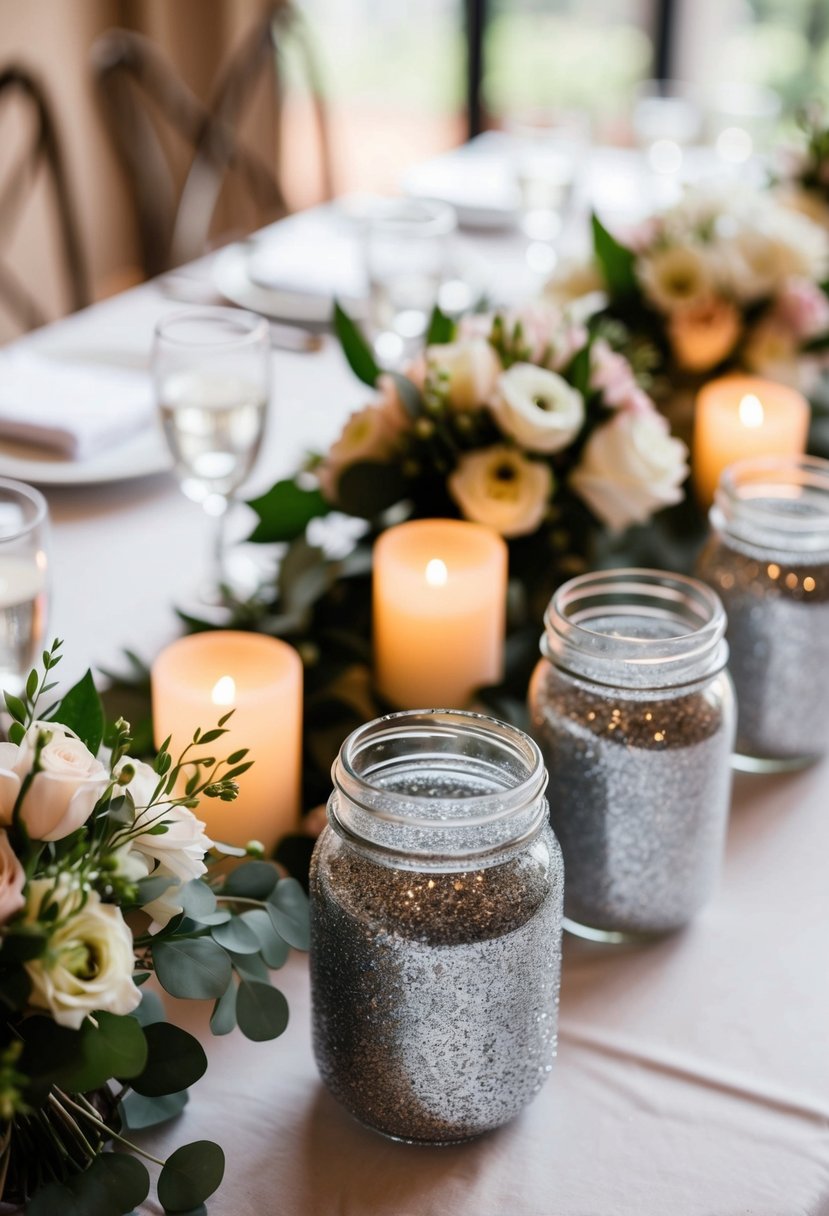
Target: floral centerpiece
108	879
725	279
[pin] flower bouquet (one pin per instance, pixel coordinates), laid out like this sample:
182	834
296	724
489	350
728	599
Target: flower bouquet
106	880
725	279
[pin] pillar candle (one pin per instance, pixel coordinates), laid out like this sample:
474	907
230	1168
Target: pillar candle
440	592
741	416
196	681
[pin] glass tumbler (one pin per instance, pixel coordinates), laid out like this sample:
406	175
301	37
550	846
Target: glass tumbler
24	581
634	713
436	900
768	560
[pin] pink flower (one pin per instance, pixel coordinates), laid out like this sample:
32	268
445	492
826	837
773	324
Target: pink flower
611	375
12	880
803	308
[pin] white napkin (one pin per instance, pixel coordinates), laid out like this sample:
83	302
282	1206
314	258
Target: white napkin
74	409
308	254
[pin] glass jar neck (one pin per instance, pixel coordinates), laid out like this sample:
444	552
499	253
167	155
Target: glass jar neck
438	789
775	503
637	629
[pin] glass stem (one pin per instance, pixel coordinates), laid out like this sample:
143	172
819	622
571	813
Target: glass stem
219	506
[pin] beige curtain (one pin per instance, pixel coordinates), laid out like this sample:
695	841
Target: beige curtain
52	38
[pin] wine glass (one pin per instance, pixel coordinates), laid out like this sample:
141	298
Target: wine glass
24	580
211	370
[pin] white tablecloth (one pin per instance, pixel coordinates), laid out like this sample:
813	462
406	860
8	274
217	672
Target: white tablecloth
693	1075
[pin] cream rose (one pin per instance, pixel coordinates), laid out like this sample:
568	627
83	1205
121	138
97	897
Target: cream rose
674	277
371	433
181	849
12	880
501	488
89	961
62	793
472	368
630	468
704	334
537	408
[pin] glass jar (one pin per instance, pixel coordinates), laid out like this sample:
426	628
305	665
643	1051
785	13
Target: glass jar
436	905
634	713
768	559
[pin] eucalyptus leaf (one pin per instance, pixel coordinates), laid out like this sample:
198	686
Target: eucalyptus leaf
153	888
175	1061
261	1010
191	1175
223	1017
115	1183
115	1047
81	710
285	512
197	899
150	1010
288	909
355	348
52	1199
251	880
195	968
273	948
250	967
235	935
139	1112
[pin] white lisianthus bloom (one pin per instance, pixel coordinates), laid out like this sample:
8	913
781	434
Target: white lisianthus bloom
770	248
472	368
63	793
675	276
12	880
89	961
704	334
181	849
630	468
501	488
537	408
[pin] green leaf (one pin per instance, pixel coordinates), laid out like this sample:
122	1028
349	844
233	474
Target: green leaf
197	899
251	880
288	909
617	263
15	707
195	968
150	1010
578	371
273	948
441	328
223	1017
17	733
355	348
409	394
369	487
86	1059
15	986
175	1061
21	943
55	1198
152	888
81	710
115	1183
250	967
190	1176
31	684
237	936
285	512
261	1011
139	1112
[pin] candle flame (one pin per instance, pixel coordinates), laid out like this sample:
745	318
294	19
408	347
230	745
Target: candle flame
436	573
224	691
751	411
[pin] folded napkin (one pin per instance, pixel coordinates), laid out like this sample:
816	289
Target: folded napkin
311	255
74	409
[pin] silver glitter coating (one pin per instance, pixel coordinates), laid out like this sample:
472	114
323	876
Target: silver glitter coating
435	992
639	791
777	603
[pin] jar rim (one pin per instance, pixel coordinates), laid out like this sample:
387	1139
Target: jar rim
634	661
749	491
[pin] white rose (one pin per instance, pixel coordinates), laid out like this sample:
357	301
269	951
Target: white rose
12	880
181	849
537	408
89	961
630	468
675	276
472	368
63	793
501	488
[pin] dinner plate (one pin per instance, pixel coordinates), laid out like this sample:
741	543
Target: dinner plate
231	277
142	455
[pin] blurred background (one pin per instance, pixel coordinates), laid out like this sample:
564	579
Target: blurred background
287	105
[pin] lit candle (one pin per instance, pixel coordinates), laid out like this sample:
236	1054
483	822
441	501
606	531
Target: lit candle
440	593
741	416
196	681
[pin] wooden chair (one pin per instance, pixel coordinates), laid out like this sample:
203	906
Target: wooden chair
143	99
40	156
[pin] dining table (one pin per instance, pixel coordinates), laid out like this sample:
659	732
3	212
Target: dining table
692	1072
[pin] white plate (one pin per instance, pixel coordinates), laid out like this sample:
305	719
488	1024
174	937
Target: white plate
142	455
231	277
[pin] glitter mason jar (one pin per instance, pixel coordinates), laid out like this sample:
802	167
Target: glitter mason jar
768	559
634	712
436	907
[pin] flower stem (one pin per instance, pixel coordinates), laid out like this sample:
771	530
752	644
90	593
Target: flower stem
93	1117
